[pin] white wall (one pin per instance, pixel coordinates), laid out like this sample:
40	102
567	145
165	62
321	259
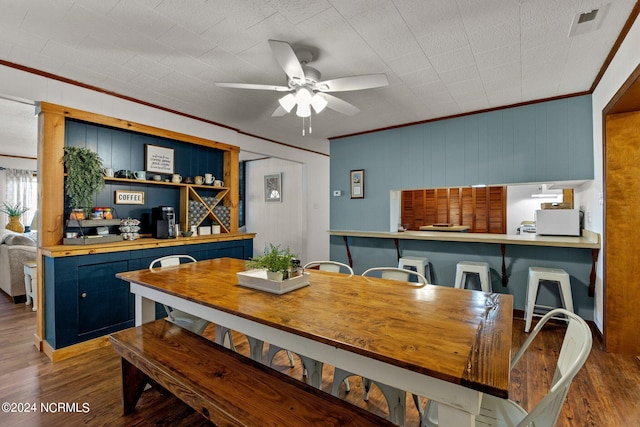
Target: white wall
278	223
315	167
621	67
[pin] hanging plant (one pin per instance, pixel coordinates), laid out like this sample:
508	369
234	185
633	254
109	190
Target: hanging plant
84	176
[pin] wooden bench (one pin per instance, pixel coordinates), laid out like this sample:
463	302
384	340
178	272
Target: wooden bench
225	387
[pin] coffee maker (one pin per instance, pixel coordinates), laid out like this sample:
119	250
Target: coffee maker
163	222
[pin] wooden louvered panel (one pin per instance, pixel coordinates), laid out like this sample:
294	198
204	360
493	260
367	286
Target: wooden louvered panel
406	210
497	210
483	210
418	209
481	206
430	204
467	208
455	216
442	206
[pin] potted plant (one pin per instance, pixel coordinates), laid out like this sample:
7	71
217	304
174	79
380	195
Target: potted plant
14	211
276	261
85	178
215	227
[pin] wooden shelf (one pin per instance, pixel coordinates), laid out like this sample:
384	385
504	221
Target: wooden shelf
170	184
92	222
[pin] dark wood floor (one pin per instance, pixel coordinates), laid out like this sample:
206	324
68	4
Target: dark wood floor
606	392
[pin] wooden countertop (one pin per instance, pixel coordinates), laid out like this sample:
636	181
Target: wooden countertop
142	243
588	240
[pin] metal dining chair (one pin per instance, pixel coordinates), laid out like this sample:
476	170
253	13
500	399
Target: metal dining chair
332	266
495	411
396	398
188	321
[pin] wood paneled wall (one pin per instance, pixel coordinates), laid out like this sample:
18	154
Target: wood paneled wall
482	209
621	243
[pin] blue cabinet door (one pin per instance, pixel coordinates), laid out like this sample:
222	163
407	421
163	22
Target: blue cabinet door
104	301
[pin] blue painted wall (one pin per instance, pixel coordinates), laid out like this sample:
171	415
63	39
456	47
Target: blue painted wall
550	141
124	150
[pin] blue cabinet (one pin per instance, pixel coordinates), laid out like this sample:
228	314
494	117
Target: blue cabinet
84	300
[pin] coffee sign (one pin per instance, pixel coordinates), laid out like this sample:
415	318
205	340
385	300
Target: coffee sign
127	197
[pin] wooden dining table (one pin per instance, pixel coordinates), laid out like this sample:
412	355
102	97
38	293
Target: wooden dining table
449	345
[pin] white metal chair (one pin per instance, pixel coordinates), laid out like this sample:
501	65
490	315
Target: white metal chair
188	321
494	411
334	266
316	366
396	398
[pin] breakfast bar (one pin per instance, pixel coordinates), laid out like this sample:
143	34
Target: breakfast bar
509	254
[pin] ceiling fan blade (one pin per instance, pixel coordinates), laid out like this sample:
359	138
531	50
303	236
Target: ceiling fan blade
253	86
287	59
339	105
365	81
279	112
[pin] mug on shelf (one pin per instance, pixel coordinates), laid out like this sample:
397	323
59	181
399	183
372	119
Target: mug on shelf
218	183
208	178
108	172
176	178
199	180
157	178
140	174
124	173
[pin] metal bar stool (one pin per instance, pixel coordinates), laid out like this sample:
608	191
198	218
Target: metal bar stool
557	275
420	264
464	268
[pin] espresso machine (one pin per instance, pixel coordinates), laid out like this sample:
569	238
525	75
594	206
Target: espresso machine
163	221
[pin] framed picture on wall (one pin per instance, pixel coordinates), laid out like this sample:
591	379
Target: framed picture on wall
273	187
158	159
357	184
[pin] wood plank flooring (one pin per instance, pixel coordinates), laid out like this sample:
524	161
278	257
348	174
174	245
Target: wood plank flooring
86	390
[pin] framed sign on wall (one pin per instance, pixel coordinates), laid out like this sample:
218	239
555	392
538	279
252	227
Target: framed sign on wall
159	159
127	197
273	187
357	184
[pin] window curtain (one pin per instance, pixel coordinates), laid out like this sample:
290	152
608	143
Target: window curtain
22	188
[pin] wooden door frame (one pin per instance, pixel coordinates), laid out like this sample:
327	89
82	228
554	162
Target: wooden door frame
625	100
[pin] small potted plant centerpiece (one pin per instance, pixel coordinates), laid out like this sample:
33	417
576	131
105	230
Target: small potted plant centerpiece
85	178
276	261
14	212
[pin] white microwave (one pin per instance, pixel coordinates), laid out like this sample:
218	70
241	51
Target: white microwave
558	222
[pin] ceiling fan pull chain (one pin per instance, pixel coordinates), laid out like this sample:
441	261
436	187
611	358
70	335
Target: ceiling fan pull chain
310	130
303	126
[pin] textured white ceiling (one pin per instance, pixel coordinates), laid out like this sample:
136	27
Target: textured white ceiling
442	57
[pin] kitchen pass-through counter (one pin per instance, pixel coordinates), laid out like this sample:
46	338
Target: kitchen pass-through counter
588	241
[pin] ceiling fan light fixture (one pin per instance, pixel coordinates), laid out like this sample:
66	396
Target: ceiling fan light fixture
318	103
303	110
303	96
288	102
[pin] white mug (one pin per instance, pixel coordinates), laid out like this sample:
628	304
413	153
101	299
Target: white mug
176	177
218	183
108	172
208	178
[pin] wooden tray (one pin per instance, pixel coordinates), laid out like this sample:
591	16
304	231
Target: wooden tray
257	279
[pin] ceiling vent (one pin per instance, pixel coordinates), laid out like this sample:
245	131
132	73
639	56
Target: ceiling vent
587	22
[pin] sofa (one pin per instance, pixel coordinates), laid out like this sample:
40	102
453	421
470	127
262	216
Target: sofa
15	249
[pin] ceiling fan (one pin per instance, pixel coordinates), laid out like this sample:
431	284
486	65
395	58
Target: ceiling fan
305	88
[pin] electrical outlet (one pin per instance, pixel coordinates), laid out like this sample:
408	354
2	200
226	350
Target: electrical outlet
337	193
